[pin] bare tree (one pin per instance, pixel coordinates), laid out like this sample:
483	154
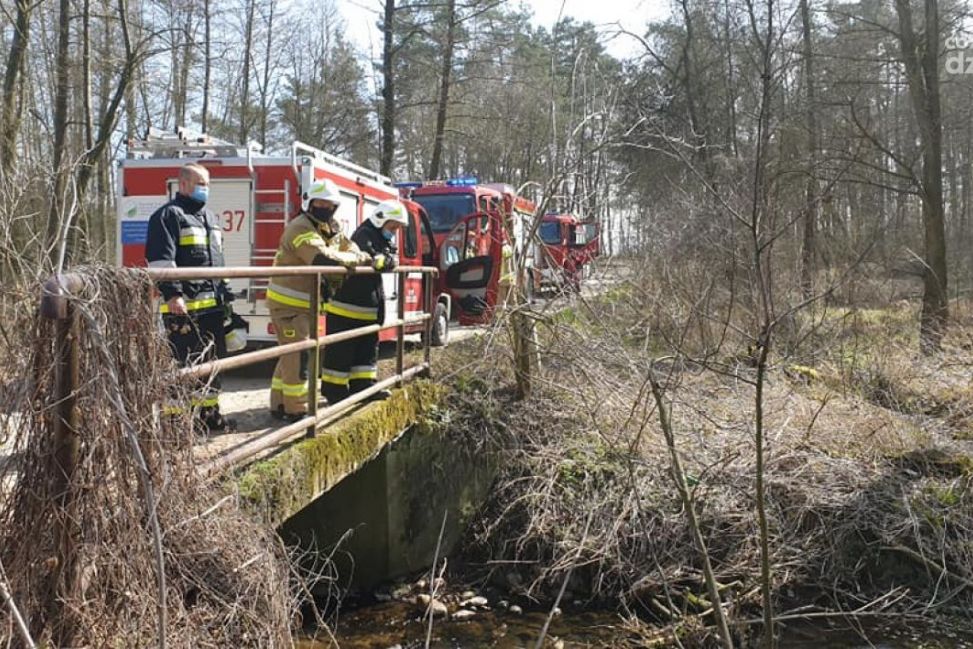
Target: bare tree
12	79
207	64
811	183
444	80
248	29
920	55
57	194
266	91
388	88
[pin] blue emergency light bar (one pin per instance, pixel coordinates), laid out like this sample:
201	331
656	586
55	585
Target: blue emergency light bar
409	184
463	181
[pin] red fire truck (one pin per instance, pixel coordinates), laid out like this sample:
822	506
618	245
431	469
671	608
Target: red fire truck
592	236
254	195
469	222
568	246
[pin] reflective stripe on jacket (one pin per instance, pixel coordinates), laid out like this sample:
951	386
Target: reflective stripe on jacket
302	244
363	297
184	234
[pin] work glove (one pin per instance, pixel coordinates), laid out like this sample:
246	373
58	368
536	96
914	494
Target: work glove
384	263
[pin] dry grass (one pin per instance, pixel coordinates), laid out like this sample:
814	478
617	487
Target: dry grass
133	548
867	502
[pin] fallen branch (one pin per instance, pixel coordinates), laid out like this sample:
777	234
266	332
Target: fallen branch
14	611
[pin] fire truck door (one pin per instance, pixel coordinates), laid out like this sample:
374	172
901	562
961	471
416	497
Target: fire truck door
409	244
231	200
470	259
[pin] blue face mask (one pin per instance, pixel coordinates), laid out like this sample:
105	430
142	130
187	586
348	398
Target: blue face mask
388	235
201	193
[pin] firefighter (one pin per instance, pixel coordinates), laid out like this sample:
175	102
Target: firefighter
351	366
313	237
184	234
507	272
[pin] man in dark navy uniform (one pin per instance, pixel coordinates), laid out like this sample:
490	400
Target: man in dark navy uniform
184	234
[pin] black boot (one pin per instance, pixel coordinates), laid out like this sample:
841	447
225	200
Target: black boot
289	417
215	422
333	393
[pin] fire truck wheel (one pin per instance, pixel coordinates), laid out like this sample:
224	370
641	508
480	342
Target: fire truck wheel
440	326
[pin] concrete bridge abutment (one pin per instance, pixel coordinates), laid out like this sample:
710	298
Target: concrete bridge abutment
378	484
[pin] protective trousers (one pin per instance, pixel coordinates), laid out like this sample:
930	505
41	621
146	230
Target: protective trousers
349	366
198	339
288	390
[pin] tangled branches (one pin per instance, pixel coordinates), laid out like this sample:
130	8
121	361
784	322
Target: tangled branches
862	500
132	544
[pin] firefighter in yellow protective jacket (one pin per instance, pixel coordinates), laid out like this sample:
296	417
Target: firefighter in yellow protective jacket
313	237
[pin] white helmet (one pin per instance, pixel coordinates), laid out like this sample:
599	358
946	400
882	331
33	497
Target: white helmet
324	190
235	332
390	210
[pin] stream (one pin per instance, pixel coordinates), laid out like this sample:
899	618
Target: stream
396	624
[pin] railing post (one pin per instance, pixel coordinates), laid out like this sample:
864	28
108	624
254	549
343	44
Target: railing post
56	305
314	364
400	330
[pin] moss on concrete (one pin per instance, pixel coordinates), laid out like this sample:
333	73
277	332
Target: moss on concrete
280	486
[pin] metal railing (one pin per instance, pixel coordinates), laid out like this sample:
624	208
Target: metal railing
56	305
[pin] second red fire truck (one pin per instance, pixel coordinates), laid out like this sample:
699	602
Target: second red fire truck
567	248
480	231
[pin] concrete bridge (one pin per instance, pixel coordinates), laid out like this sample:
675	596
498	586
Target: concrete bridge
379	478
382	478
392	474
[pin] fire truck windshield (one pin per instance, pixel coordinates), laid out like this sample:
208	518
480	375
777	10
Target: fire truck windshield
445	210
550	232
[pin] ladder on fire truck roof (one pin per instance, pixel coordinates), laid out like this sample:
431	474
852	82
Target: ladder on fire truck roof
336	161
183	143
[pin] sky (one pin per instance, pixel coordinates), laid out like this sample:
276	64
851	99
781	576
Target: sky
361	16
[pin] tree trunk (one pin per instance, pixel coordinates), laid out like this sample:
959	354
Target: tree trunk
811	187
103	170
207	65
109	116
10	110
181	98
245	92
731	92
86	72
966	196
131	113
689	507
761	233
388	89
921	61
86	235
444	80
265	90
57	198
698	136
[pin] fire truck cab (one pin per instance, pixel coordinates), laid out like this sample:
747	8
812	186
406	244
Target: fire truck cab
568	245
254	195
480	232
